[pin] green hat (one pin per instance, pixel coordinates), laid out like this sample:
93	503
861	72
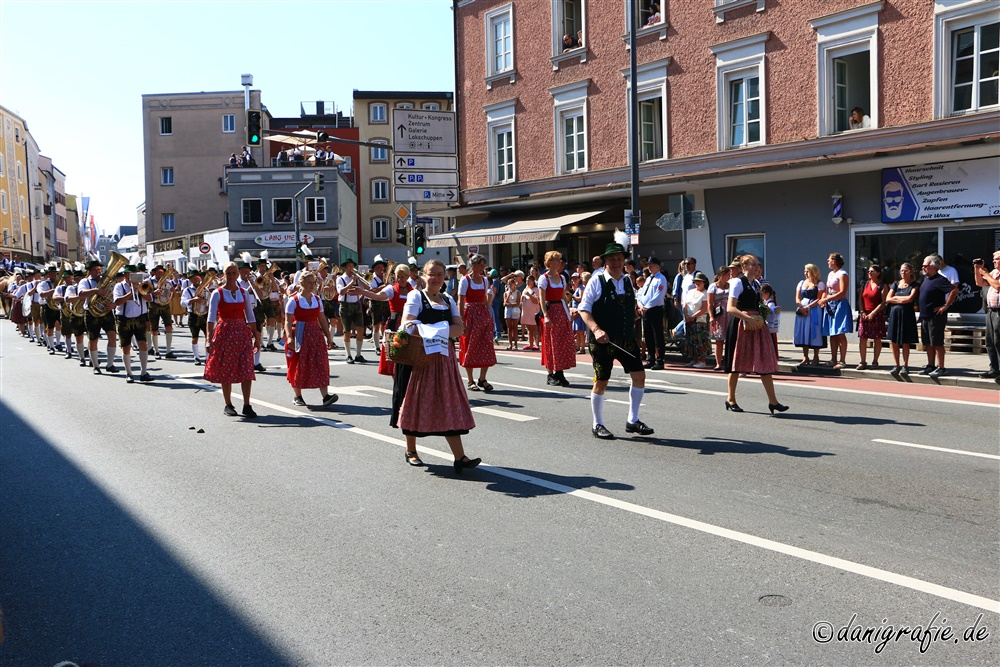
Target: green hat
79	274
140	266
614	249
379	261
243	265
93	264
494	273
698	275
194	272
129	268
66	274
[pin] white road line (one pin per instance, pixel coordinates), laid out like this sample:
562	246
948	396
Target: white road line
937	449
513	416
564	394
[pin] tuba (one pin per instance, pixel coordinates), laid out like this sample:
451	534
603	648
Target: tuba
166	287
265	282
98	305
204	288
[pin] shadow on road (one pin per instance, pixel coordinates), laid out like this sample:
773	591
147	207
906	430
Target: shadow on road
81	580
846	420
521	483
712	445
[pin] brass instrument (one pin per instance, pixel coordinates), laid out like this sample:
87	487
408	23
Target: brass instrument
166	287
48	302
265	282
98	305
206	287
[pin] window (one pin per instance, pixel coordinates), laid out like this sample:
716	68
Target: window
228	123
500	128
379	154
167	222
747	244
404	105
966	57
380	229
3	201
377	113
23	208
740	91
252	214
346	166
430	106
166	125
315	209
571	126
567	25
652	78
847	72
499	42
723	6
1	164
281	209
166	175
380	190
20	172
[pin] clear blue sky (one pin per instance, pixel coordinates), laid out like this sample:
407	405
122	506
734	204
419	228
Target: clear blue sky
75	70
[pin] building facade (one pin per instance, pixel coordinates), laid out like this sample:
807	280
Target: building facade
15	181
746	141
378	216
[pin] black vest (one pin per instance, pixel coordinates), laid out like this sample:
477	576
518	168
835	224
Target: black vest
613	312
749	298
429	314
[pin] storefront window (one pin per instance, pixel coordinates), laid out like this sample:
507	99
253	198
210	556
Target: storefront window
961	246
889	251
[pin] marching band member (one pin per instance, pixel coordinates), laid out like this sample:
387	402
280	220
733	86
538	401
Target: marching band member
88	287
379	309
17	289
476	345
351	312
270	301
230	345
248	283
159	312
558	347
306	328
50	317
132	309
74	325
197	307
36	310
395	296
59	299
331	300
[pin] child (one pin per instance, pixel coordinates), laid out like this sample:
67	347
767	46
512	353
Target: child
511	311
774	319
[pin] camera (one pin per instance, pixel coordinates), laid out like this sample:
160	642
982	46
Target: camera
977	262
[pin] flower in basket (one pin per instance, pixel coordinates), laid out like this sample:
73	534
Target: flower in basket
399	341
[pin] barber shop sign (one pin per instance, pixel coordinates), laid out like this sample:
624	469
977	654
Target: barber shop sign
281	239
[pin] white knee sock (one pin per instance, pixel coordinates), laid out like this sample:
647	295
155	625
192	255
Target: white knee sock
634	399
256	358
143	360
194	350
93	358
357	344
127	361
270	334
597	407
170	339
58	333
112	350
155	347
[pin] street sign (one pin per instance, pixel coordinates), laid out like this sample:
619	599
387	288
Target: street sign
204	248
425	178
423	221
406	193
420	131
402	213
425	162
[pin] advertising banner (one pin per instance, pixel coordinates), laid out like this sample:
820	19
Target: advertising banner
966	189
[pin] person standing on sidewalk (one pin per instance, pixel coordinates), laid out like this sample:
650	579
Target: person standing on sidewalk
991	279
651	299
937	293
837	322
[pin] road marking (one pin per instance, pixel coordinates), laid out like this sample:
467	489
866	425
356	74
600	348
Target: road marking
903	581
513	416
564	394
937	449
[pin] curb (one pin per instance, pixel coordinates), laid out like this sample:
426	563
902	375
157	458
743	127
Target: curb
957	380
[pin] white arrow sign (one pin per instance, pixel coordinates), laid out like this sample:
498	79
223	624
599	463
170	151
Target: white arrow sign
425	178
401	193
425	162
419	131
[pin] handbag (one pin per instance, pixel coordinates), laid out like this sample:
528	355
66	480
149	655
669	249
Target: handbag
407	349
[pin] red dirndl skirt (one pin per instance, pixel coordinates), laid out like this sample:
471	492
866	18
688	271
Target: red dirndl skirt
873	328
558	341
309	368
477	344
231	360
754	352
385	366
436	401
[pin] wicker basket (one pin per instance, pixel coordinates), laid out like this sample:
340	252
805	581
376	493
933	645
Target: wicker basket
410	354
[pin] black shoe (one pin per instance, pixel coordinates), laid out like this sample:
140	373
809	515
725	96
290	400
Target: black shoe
145	377
648	365
561	379
197	361
551	380
926	370
230	411
270	347
248	412
350	359
600	431
130	379
299	401
169	355
97	370
52	350
990	374
259	368
658	366
466	462
111	368
360	359
414	459
330	399
638	428
156	355
69	355
83	362
733	406
776	407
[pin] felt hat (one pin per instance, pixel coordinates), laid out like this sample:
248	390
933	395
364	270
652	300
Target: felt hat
348	261
129	268
378	260
614	249
698	275
94	263
654	260
735	264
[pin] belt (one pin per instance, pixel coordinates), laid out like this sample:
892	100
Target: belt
992	309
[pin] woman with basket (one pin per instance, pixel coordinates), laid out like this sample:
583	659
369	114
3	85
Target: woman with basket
429	399
308	337
749	348
395	293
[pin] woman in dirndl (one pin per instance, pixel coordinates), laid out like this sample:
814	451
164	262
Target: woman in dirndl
808	333
558	350
871	315
308	334
230	341
475	293
395	293
433	399
749	347
718	314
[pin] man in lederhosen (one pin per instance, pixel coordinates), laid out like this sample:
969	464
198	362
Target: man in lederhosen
50	317
197	307
331	306
88	287
61	297
608	309
269	303
351	312
132	309
159	312
379	309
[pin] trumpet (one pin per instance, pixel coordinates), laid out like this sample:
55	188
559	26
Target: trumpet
146	287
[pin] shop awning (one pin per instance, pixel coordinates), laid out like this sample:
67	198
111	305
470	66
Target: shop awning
502	229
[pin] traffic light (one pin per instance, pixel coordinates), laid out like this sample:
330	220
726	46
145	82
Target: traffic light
318	179
254	134
419	239
322	137
401	236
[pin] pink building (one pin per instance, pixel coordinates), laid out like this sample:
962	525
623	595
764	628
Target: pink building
745	126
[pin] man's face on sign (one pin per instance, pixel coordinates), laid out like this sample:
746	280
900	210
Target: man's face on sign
892	198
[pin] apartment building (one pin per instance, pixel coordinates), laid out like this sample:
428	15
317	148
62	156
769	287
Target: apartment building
745	129
187	141
52	197
15	222
378	218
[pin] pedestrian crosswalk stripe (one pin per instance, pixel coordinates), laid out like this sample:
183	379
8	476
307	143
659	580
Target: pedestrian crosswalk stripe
513	416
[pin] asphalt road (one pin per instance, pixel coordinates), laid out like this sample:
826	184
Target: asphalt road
302	538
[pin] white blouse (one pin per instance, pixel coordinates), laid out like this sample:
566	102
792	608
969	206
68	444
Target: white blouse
220	294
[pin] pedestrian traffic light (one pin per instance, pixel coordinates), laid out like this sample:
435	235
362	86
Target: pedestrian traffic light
401	236
419	239
254	135
318	179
